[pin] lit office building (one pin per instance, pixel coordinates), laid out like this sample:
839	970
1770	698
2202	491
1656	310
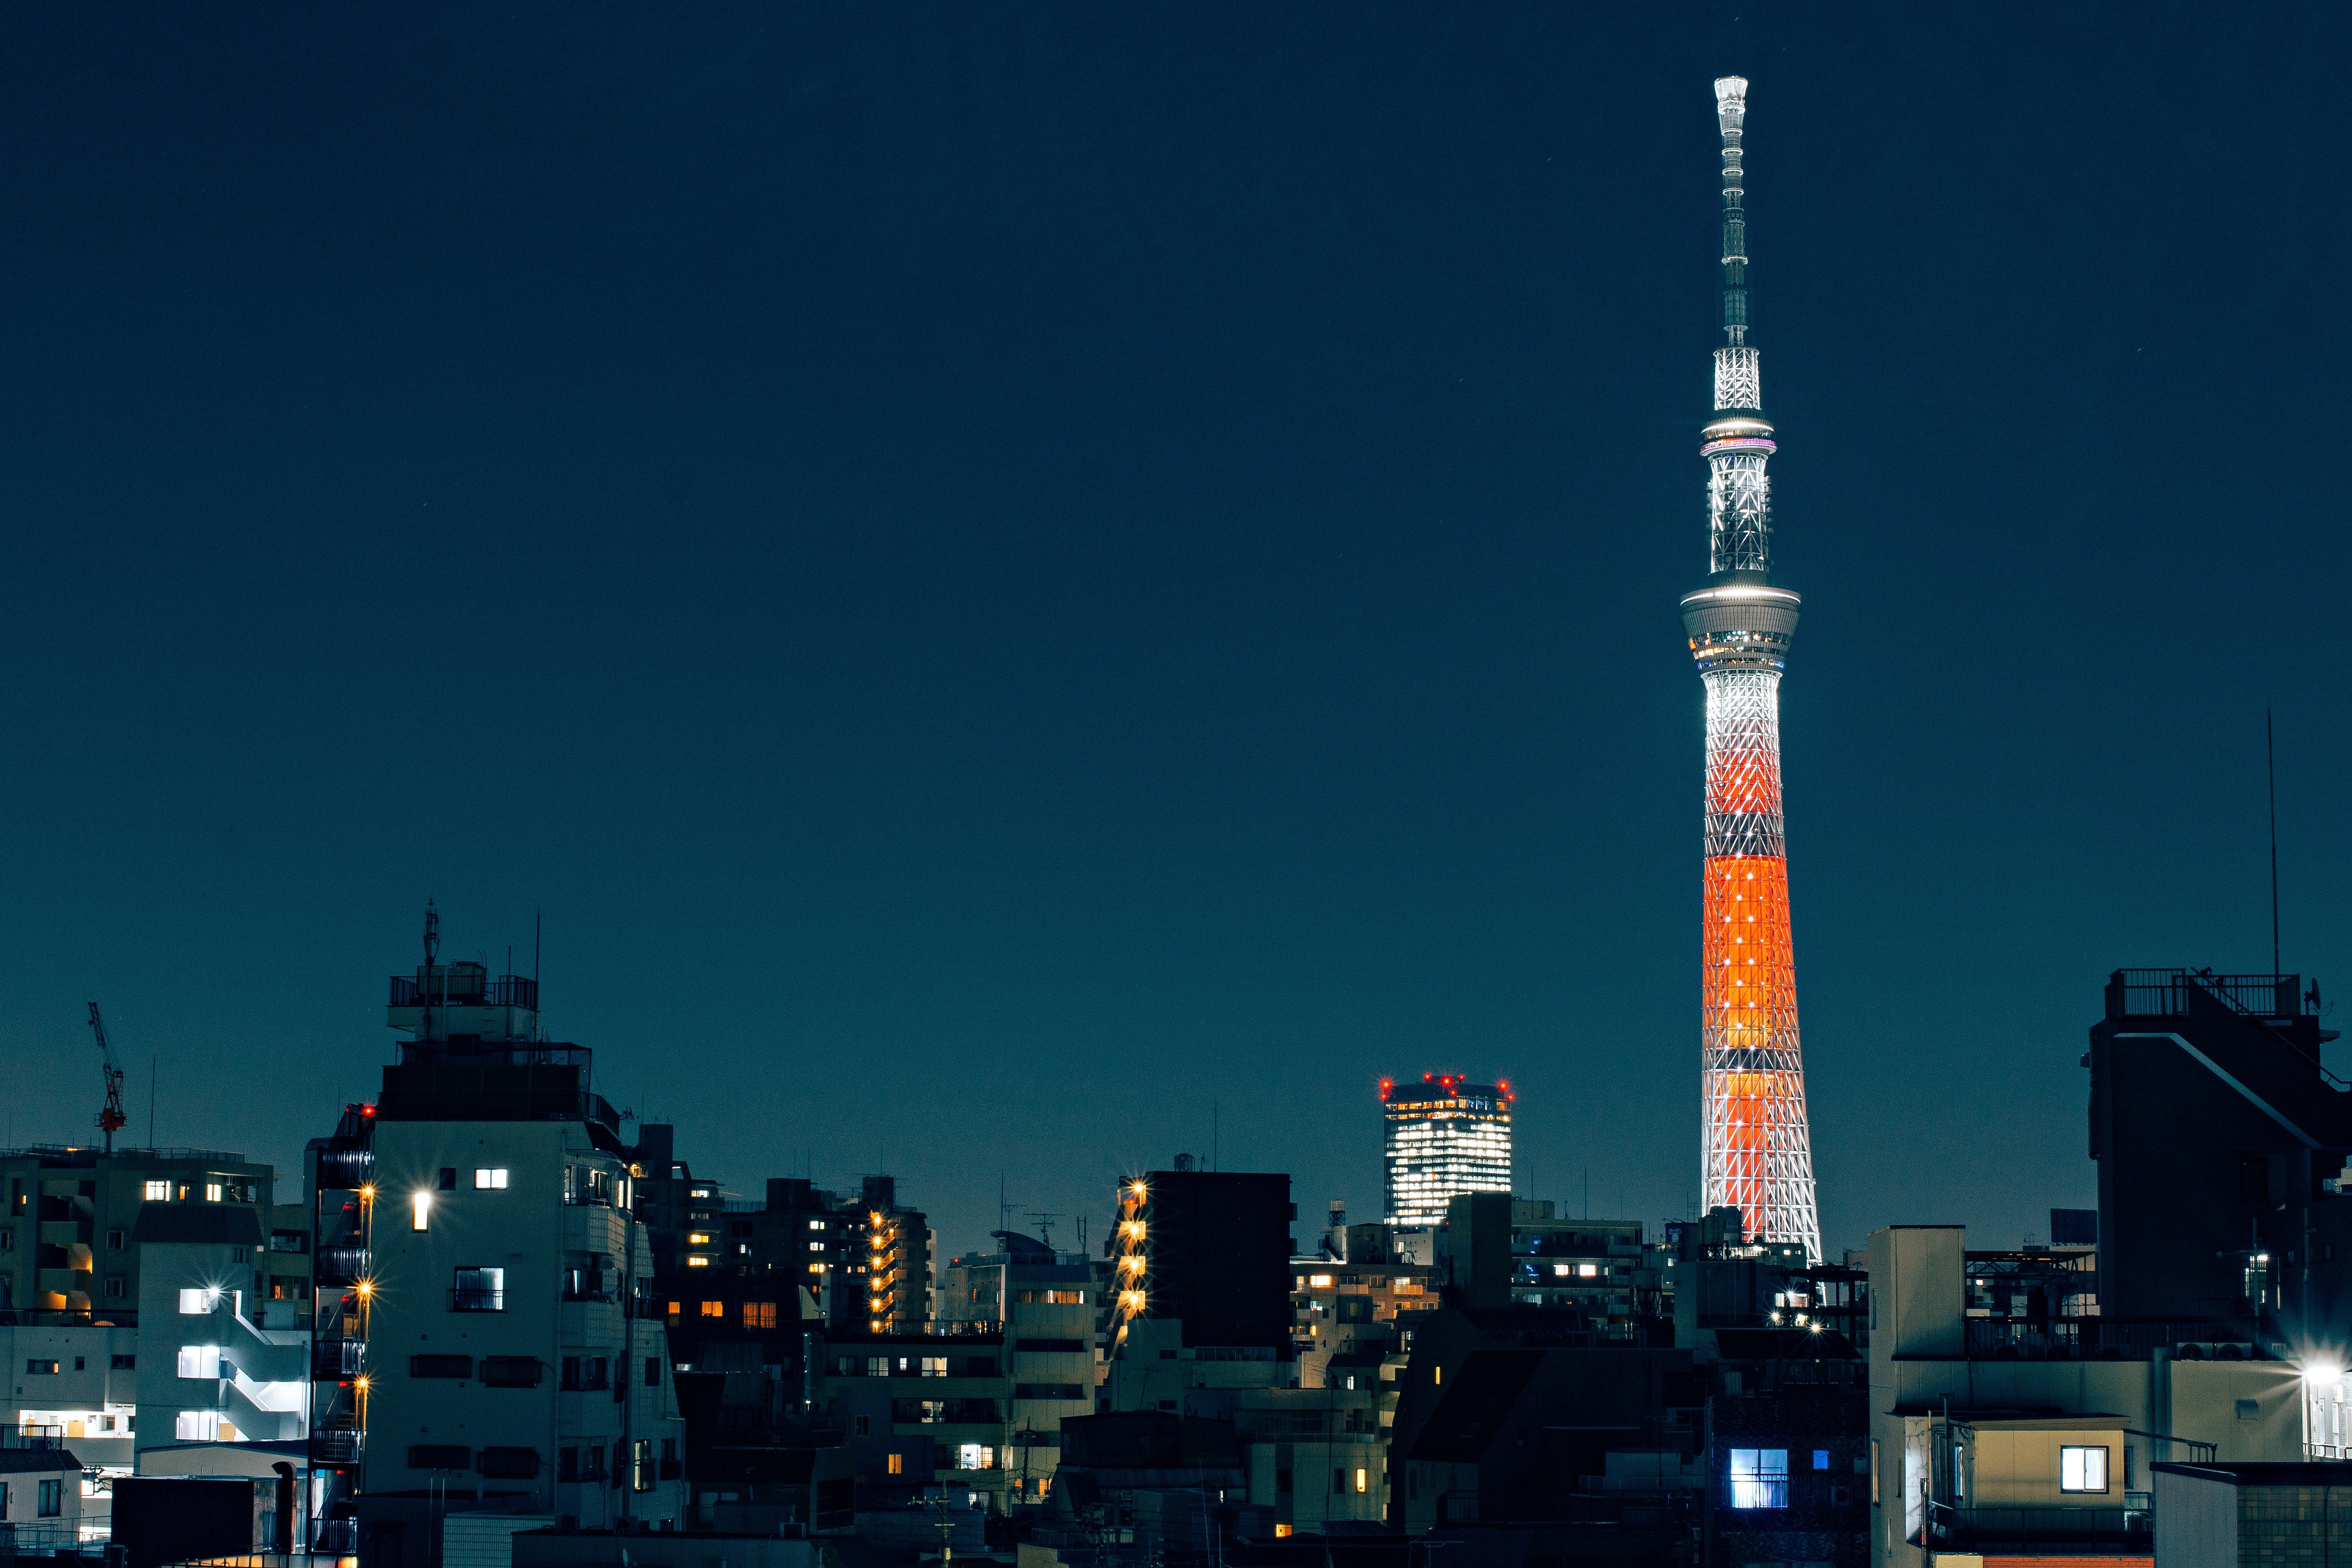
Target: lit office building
1443	1136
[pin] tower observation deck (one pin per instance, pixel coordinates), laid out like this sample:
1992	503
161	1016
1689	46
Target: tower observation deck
1756	1146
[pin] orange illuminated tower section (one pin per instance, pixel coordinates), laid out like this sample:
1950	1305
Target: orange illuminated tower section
1756	1149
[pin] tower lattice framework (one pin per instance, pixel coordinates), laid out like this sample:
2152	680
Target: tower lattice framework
1756	1150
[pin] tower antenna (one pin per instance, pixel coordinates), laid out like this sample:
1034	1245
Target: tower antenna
1756	1148
432	950
2270	758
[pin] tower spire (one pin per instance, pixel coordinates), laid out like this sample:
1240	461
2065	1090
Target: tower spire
1756	1144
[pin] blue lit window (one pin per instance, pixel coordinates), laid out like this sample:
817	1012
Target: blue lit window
1760	1478
1821	1459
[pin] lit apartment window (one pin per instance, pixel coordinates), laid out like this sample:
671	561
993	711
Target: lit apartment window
212	1192
698	1262
2082	1469
934	1366
158	1191
202	1427
1760	1478
714	1309
816	1225
489	1180
975	1457
201	1362
898	1461
816	1246
1588	1270
420	1209
1319	1281
200	1300
759	1314
1363	1479
697	1237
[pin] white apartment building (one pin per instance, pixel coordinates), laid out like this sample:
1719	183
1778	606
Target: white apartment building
511	1359
219	1395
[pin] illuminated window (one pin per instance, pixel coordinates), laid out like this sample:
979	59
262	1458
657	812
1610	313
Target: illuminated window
1760	1478
212	1192
759	1314
1588	1270
489	1180
420	1206
194	1301
816	1225
714	1309
698	1262
933	1366
673	1309
1363	1480
975	1457
898	1463
2082	1469
697	1237
1319	1281
159	1192
1437	1374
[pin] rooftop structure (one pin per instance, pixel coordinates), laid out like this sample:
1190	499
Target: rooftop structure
1442	1137
1755	1149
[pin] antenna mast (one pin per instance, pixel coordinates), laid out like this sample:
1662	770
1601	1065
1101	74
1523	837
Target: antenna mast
2270	758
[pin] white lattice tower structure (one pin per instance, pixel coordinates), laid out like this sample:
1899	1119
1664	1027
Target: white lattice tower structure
1755	1149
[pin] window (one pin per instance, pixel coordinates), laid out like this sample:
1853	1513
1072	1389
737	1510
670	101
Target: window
698	1262
199	1427
509	1464
653	1371
697	1237
440	1366
125	1363
449	1184
975	1457
52	1501
934	1366
819	1224
1873	1473
1319	1281
898	1461
157	1192
40	1368
642	1474
1588	1270
420	1208
213	1191
1821	1459
489	1180
1052	1298
115	1286
759	1314
114	1240
878	1366
1338	1483
1363	1479
440	1456
2082	1469
510	1372
198	1361
1760	1478
479	1290
714	1309
865	1425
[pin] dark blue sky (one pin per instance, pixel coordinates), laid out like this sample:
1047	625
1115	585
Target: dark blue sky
1006	573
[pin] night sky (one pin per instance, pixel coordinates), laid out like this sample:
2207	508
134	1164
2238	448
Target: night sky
1010	575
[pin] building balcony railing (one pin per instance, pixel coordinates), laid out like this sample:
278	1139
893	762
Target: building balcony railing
2039	1529
337	1447
335	1537
341	1265
2090	1339
506	991
345	1170
331	1360
2164	993
476	1298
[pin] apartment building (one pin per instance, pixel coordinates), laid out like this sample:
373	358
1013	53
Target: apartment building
215	1382
921	1411
65	1238
496	1345
1044	1303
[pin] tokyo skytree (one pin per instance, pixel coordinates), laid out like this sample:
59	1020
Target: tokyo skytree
1756	1152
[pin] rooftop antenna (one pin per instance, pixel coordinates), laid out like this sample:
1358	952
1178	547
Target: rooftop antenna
1213	1108
538	930
2270	758
1046	1227
432	950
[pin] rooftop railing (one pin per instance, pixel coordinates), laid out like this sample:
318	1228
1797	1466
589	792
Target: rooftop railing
2094	1339
2037	1530
2164	993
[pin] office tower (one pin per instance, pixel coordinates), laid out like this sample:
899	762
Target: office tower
1442	1137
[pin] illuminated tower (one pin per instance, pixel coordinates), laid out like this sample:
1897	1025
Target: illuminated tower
1757	1152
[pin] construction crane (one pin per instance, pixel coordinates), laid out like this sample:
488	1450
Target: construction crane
111	1119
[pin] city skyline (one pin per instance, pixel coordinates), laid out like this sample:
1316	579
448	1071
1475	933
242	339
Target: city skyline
1104	598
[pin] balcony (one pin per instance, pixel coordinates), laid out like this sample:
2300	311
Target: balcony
476	1298
2044	1531
340	1447
2090	1338
341	1265
335	1537
345	1170
2166	993
334	1360
466	987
